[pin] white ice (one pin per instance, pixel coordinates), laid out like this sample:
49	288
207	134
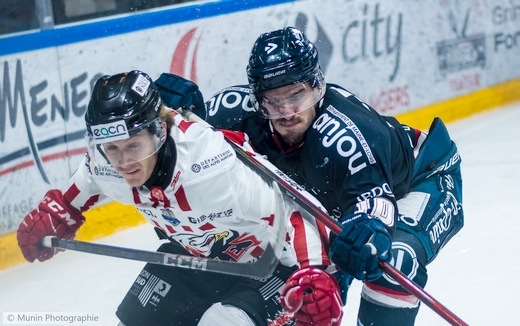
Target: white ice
476	276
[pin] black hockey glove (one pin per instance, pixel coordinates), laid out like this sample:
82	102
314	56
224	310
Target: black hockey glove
359	246
177	92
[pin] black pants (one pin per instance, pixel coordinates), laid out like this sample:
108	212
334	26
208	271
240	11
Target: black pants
163	295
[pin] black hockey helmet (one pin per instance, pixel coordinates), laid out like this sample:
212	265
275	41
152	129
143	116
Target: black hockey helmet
120	107
281	58
130	96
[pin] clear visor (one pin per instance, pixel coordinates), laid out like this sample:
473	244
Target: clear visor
286	101
132	149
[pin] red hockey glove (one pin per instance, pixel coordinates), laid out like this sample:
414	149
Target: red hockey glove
313	296
52	217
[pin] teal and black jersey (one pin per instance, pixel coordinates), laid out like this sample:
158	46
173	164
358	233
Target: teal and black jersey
350	154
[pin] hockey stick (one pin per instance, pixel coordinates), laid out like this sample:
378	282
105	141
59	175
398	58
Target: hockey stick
260	268
303	199
263	267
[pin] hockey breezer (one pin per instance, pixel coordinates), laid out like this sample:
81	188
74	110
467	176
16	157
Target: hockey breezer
302	198
263	267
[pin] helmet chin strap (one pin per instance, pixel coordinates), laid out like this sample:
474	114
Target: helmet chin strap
163	170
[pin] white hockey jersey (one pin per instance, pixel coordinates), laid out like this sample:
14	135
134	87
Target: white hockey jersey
214	205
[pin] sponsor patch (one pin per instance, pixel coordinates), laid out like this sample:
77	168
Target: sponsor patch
149	288
141	85
404	259
109	132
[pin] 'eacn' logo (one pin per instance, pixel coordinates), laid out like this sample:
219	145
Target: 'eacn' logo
108	132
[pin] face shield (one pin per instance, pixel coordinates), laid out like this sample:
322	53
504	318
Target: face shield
112	143
286	101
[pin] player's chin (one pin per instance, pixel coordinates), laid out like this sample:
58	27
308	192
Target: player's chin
135	181
134	177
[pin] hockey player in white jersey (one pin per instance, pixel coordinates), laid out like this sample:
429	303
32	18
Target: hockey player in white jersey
187	181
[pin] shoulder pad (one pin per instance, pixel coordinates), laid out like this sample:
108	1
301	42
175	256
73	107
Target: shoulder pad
229	107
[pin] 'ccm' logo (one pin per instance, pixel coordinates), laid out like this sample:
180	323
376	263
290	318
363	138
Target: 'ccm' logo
110	132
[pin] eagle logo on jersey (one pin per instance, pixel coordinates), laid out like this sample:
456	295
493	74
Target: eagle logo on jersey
224	245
